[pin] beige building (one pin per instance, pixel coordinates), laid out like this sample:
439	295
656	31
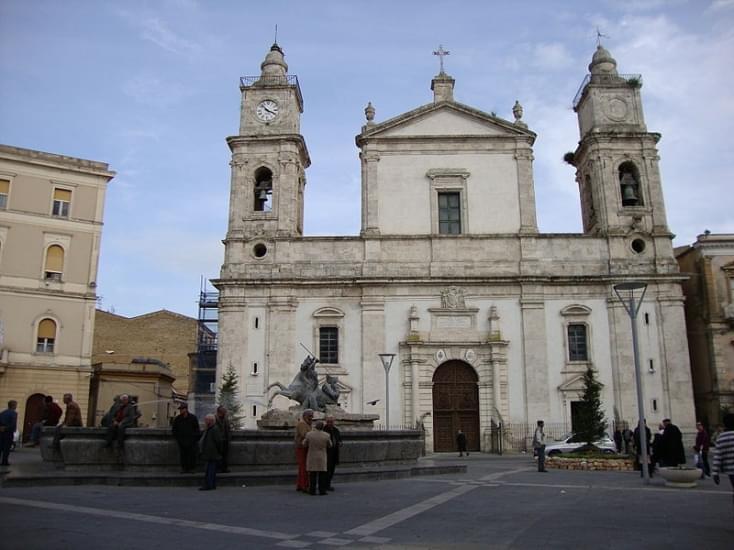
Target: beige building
709	262
490	321
51	209
162	335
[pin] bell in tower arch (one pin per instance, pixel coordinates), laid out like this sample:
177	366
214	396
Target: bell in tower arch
630	189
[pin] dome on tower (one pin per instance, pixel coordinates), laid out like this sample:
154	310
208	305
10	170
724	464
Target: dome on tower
274	64
602	62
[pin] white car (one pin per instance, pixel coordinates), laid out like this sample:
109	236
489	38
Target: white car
570	442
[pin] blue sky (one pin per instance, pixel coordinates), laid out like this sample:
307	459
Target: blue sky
152	89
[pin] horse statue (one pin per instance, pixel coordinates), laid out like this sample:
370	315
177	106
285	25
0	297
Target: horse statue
302	388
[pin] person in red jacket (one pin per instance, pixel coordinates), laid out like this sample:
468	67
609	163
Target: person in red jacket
702	448
51	415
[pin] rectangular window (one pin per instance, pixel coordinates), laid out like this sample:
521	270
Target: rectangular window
4	192
62	202
449	213
329	345
577	348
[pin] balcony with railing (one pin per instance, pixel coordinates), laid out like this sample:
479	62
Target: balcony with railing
633	80
286	80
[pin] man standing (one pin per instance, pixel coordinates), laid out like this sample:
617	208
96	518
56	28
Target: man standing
317	441
724	454
186	432
461	443
642	461
672	452
125	417
332	454
226	433
302	428
539	445
8	425
702	448
211	452
72	419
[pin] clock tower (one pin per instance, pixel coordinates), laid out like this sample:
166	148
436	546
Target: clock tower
269	158
617	159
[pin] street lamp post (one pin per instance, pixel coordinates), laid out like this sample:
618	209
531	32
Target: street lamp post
626	294
386	359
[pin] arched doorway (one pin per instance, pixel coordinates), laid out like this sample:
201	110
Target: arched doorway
455	406
34	406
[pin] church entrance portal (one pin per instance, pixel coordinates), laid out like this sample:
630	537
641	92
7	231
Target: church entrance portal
455	406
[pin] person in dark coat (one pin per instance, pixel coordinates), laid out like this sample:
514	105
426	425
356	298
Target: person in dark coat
702	448
461	443
125	416
332	453
186	432
618	439
638	450
226	430
672	452
211	452
8	425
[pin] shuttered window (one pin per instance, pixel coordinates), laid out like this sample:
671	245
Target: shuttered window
46	336
62	202
54	262
4	192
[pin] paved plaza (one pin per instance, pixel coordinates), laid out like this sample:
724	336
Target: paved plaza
500	502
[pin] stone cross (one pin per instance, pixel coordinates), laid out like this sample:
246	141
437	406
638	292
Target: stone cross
440	52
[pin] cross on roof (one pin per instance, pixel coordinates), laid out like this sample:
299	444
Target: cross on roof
599	36
440	52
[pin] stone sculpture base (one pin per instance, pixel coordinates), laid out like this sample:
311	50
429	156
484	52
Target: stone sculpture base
278	419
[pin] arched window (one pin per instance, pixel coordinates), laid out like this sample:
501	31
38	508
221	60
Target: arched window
263	190
46	336
54	262
629	184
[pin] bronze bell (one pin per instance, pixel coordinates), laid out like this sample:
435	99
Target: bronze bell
262	195
629	195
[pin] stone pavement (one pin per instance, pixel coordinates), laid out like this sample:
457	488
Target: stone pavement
500	502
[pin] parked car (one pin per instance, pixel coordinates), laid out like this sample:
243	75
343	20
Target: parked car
571	442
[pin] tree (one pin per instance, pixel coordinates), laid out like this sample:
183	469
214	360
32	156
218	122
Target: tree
227	397
590	422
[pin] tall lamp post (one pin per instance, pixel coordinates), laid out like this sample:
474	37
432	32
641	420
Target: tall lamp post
386	359
626	294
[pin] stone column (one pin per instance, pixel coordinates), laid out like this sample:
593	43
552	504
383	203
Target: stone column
370	185
373	342
535	362
232	336
526	191
282	358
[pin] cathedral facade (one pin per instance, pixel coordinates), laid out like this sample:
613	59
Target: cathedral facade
489	320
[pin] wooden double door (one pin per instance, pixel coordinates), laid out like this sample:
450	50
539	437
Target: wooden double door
455	406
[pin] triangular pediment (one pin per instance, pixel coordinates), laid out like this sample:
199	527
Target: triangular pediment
575	384
445	119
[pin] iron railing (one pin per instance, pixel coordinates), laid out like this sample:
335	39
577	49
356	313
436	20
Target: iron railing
287	80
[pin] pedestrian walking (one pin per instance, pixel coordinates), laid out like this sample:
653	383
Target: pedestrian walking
211	452
8	425
317	442
724	453
72	419
461	443
539	445
702	450
332	454
226	430
618	439
302	428
643	461
186	432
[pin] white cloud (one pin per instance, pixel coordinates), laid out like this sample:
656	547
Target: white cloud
720	5
551	56
156	31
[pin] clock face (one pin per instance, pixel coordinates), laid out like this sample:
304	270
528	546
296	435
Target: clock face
267	110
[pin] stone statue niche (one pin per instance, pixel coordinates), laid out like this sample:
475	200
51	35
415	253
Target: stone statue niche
305	390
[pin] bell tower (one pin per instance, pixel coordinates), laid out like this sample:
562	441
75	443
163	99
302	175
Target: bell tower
617	159
269	156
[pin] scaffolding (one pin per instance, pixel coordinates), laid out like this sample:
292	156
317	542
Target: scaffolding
205	369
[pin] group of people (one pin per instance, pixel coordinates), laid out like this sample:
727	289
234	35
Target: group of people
317	453
212	444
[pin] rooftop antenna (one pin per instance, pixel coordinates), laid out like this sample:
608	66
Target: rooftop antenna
599	36
276	34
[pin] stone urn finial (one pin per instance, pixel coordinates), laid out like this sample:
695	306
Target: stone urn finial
369	113
517	111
